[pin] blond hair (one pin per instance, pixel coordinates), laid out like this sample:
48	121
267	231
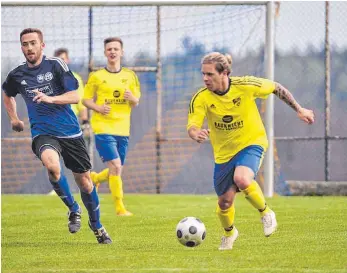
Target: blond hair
222	62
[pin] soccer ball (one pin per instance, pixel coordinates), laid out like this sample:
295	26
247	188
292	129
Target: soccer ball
190	231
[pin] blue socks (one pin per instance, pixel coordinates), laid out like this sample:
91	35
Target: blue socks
61	187
91	202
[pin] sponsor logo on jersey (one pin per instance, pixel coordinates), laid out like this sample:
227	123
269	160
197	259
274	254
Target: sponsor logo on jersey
115	101
40	78
237	101
48	76
44	88
116	93
23	82
227	119
227	124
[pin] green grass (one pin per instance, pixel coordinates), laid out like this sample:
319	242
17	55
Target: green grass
312	236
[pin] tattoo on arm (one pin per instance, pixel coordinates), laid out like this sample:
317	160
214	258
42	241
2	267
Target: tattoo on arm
284	94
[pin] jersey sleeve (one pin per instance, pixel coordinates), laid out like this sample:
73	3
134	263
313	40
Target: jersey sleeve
197	112
91	87
262	88
67	78
135	87
9	86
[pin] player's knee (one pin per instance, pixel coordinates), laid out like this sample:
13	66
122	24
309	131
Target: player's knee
115	167
242	181
224	204
85	183
53	171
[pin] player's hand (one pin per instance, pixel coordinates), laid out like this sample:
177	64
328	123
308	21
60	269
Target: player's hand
17	125
129	96
306	115
41	97
202	135
104	109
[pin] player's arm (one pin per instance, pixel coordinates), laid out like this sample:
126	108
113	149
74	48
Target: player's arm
129	96
133	94
285	95
11	109
69	83
196	118
198	134
70	97
102	109
88	97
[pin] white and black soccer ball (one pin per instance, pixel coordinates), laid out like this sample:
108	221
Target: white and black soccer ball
191	231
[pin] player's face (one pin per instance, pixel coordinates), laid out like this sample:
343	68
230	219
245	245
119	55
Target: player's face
213	80
64	57
32	47
113	52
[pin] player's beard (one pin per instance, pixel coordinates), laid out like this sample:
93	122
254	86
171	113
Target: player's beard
32	59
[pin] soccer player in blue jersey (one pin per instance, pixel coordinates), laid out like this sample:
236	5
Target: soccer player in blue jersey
237	135
48	88
79	109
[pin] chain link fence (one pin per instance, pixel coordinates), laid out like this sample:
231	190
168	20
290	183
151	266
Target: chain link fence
185	36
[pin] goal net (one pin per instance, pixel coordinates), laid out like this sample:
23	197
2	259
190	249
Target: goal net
186	34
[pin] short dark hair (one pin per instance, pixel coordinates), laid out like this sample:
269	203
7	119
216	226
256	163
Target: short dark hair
31	30
113	39
60	51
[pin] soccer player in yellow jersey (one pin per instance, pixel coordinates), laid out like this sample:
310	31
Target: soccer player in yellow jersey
237	136
117	91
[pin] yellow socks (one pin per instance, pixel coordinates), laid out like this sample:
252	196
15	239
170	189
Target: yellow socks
99	177
116	187
255	196
226	218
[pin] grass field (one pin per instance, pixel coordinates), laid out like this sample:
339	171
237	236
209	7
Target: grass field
312	236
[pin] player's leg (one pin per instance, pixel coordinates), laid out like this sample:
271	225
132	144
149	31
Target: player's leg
76	158
247	163
47	149
116	186
100	177
91	202
226	192
107	147
122	148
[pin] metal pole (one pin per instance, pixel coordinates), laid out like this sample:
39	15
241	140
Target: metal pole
327	94
269	114
159	108
90	62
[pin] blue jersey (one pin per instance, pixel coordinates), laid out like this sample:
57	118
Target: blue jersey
52	77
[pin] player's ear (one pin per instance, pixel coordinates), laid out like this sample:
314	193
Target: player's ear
43	45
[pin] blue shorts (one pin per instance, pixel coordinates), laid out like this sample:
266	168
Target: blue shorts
111	147
250	157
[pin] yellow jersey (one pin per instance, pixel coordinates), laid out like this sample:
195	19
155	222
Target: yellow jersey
233	118
108	88
77	108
